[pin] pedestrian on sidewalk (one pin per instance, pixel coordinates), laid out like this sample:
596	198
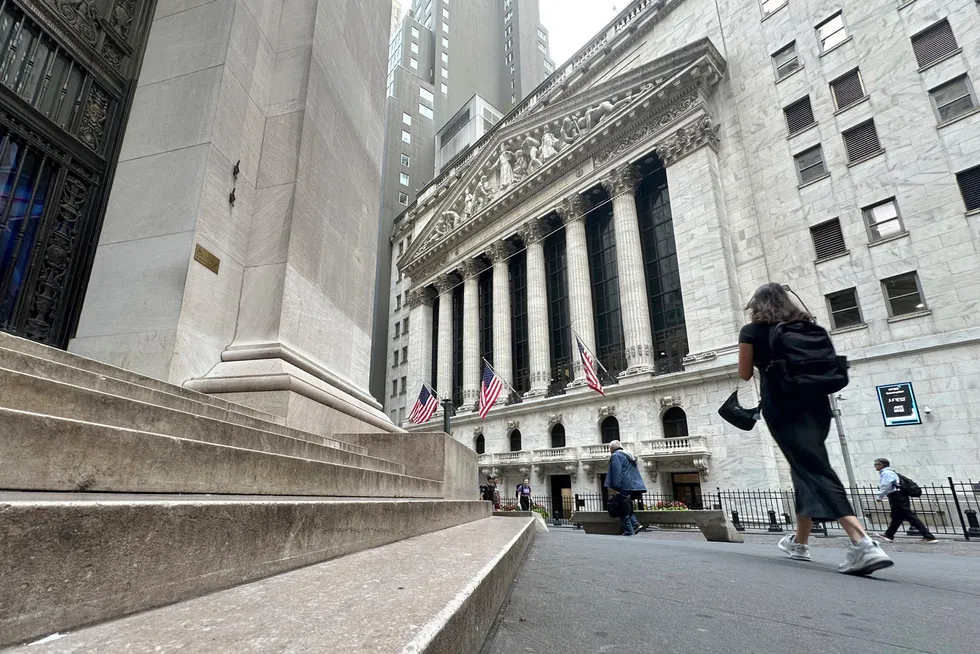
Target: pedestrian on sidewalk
624	477
524	494
889	486
800	423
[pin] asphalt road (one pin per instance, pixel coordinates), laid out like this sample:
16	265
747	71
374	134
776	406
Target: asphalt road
663	593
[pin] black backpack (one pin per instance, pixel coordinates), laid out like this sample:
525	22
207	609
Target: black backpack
804	361
907	487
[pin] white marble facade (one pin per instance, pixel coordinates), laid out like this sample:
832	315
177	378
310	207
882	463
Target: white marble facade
694	83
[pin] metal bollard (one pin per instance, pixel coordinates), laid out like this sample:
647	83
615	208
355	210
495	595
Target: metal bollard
971	518
773	525
736	523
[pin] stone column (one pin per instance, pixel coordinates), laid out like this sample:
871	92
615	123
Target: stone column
444	379
573	212
621	186
470	269
503	362
420	339
533	233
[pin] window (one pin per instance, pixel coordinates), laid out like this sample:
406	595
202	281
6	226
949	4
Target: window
445	73
953	99
480	444
799	116
427	95
394	387
398	305
445	27
609	430
407	119
934	44
425	111
513	84
809	165
515	440
406	137
844	310
513	69
406	160
444	89
401	415
508	31
675	423
786	61
401	248
883	220
415	32
508	15
847	89
415	49
861	142
445	58
558	435
445	14
769	6
414	63
542	47
831	32
509	44
404	385
398	329
405	326
445	42
969	181
403	199
549	67
403	179
509	58
903	295
542	35
828	239
404	355
395	359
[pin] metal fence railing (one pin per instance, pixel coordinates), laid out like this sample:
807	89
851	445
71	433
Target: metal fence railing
559	510
951	509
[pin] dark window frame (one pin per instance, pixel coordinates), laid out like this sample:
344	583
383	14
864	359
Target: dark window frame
559	315
778	68
969	182
457	299
970	94
856	148
793	112
871	222
799	171
520	347
515	438
922	307
823	256
674	422
839	84
558	435
609	430
829	298
484	285
917	40
607	309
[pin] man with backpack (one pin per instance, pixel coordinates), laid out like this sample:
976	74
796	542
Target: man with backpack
624	480
898	489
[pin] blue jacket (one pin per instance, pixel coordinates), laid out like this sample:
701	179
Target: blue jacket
624	473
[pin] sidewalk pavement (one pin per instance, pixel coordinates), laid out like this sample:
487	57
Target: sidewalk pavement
673	592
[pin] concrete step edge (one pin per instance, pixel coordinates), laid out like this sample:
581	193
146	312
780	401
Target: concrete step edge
98	407
76	563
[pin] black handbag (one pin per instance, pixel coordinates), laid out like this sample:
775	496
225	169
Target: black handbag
737	415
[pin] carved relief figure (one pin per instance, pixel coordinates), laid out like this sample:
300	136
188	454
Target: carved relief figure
601	111
482	195
550	146
468	205
505	166
520	164
531	149
569	129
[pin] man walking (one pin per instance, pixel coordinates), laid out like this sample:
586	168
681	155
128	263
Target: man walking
624	477
889	486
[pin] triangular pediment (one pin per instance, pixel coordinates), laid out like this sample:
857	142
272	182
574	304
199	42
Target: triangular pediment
524	152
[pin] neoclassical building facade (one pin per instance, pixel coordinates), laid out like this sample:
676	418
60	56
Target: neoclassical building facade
641	194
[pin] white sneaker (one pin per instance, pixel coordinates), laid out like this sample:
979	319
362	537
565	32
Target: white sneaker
863	559
796	551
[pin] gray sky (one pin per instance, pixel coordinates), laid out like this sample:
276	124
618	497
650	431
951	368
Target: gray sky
573	22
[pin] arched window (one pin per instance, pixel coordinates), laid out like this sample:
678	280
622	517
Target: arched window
675	423
558	435
610	430
481	444
515	440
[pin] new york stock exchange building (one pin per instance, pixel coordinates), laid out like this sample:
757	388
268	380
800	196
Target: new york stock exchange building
643	192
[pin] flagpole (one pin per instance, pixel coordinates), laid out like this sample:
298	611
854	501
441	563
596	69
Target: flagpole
487	363
594	357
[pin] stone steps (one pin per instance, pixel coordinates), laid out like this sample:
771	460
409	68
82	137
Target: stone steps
73	559
25	392
200	406
12	343
48	453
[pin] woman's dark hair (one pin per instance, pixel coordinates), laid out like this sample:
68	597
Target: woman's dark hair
771	304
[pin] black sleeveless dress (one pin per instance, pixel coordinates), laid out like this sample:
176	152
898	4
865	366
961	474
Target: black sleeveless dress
800	425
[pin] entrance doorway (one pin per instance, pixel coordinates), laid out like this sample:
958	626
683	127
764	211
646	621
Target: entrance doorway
561	498
687	489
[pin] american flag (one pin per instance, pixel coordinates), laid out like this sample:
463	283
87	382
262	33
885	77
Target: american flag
424	407
489	389
591	378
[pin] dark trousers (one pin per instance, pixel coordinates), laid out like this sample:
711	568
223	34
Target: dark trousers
637	497
902	512
525	503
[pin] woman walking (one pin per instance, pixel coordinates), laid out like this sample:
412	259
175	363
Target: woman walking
524	495
800	423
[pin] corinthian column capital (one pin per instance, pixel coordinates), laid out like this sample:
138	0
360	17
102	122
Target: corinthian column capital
470	268
621	179
445	282
532	231
420	296
573	208
687	139
500	251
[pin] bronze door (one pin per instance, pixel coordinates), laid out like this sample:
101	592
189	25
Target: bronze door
68	69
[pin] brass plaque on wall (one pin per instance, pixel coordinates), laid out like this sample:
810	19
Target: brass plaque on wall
206	259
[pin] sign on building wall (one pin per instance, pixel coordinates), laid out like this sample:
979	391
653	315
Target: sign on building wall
898	405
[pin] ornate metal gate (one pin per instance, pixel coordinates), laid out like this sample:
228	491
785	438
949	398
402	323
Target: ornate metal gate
68	70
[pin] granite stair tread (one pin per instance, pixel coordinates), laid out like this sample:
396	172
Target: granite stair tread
438	592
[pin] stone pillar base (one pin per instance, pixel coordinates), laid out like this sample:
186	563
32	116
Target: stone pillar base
536	392
636	370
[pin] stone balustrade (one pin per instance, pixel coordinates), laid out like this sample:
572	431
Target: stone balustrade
674	446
